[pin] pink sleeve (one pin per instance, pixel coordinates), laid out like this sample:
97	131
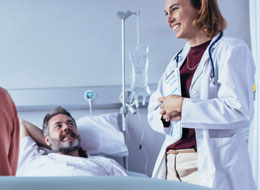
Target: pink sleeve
9	135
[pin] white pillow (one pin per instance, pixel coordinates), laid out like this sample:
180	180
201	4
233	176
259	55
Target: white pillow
101	135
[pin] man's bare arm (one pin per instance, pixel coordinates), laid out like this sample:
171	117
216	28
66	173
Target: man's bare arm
29	129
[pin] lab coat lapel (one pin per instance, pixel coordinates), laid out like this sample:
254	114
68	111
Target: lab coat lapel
183	55
199	69
204	59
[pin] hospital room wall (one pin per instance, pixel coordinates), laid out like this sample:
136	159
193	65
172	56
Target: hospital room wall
64	43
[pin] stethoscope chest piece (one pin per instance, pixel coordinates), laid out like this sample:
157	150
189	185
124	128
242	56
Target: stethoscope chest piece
212	81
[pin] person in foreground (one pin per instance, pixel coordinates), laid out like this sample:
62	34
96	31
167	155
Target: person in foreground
204	101
9	135
66	157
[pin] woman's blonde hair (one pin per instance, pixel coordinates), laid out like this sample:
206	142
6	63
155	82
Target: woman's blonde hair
210	19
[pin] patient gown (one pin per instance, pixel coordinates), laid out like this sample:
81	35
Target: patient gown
34	161
9	135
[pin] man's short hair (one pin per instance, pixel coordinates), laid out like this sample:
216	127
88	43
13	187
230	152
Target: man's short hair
55	111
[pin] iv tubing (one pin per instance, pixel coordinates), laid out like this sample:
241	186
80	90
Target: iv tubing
141	145
137	28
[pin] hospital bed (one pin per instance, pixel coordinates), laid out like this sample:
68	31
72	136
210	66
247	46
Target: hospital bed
42	100
105	124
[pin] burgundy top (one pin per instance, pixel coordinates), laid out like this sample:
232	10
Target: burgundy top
187	71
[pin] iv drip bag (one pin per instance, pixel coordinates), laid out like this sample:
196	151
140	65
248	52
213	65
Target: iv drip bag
139	60
139	78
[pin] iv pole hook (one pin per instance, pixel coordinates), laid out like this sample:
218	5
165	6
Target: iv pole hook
125	15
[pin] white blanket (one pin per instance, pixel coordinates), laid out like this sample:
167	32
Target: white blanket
34	161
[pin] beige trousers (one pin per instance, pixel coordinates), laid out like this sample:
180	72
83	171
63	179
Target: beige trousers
182	167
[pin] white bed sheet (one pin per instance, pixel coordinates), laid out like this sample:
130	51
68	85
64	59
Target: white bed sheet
36	162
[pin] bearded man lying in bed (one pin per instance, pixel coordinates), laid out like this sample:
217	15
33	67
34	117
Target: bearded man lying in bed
66	157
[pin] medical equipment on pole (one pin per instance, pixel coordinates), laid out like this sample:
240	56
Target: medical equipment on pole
123	16
139	88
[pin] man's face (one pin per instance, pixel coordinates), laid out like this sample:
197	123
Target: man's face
63	135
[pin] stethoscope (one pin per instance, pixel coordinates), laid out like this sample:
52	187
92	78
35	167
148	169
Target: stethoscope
212	74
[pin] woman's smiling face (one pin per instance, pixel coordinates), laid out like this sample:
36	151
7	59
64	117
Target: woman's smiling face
180	16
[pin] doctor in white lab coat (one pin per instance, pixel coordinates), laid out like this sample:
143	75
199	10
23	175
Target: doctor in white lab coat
219	104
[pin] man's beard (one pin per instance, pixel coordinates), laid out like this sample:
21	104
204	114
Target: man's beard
65	147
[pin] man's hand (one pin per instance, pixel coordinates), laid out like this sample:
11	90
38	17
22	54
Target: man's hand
171	107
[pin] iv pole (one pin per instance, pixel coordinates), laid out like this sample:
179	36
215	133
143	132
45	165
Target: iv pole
123	16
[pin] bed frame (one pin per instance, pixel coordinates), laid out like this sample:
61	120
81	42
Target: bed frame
93	183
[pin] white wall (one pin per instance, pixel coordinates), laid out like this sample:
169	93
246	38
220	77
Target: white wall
57	43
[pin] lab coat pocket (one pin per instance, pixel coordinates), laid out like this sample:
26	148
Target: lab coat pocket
221	133
172	83
223	143
227	154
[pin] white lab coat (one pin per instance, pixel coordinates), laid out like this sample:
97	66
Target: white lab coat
219	113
